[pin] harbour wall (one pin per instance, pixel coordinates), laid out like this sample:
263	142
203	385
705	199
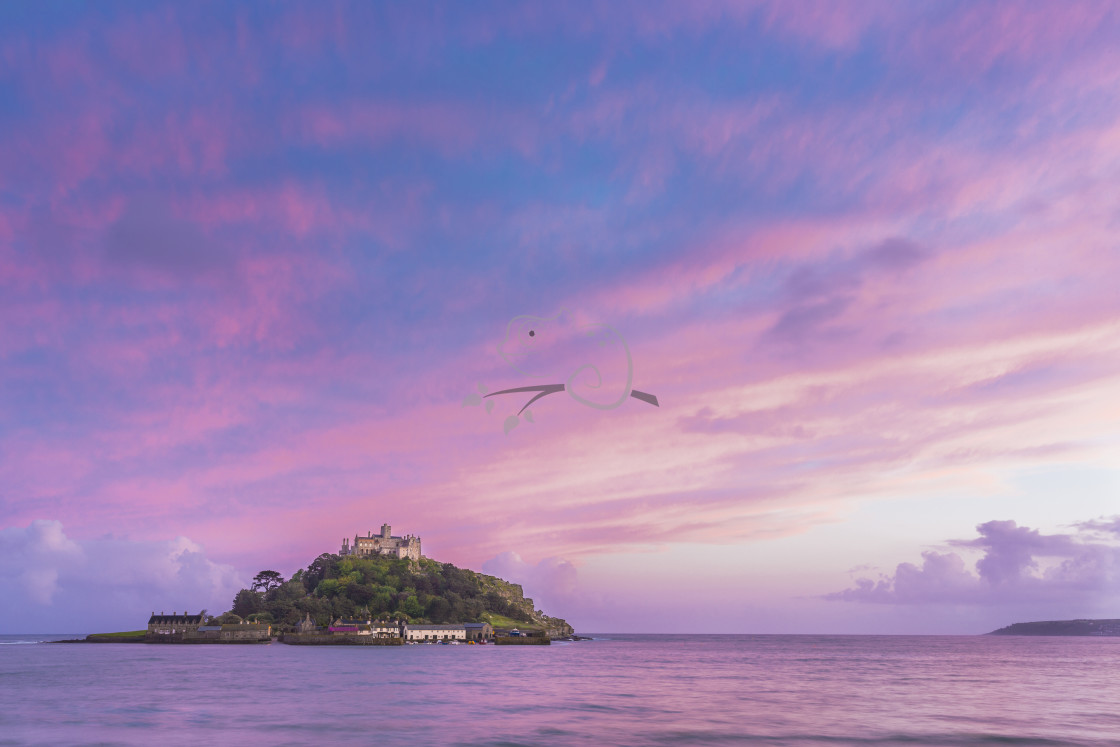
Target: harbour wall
526	640
315	639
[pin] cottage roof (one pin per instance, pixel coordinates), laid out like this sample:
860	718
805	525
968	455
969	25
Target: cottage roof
435	627
175	619
475	625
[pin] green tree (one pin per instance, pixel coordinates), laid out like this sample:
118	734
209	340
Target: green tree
290	591
246	603
438	609
323	567
361	593
266	580
382	600
334	586
328	587
412	607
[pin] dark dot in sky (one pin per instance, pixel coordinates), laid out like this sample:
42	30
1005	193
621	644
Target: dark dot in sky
532	333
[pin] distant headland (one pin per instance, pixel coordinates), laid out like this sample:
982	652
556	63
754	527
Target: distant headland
1063	627
380	590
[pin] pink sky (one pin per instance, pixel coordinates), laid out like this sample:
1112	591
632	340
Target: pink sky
253	259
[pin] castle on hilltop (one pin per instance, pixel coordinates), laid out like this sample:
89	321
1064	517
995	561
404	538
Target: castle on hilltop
385	543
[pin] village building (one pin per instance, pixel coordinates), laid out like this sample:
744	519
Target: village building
186	628
478	631
173	624
384	543
375	628
350	627
387	629
445	632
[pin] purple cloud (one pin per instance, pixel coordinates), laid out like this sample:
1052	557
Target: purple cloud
50	580
818	294
1010	551
1019	566
1102	525
149	238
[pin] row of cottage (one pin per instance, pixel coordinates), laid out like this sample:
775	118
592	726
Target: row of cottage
193	628
187	626
401	629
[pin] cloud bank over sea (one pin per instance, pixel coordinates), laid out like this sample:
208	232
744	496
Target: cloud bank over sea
1019	566
54	584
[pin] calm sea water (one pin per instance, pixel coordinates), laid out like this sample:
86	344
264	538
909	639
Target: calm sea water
615	690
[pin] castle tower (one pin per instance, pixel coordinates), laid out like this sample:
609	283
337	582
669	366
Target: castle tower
386	531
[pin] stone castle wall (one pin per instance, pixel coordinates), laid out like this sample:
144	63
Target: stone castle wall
384	543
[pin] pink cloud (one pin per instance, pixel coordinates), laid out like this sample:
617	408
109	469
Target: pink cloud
191	143
151	45
831	25
713	260
302	210
302	31
450	127
982	36
694	369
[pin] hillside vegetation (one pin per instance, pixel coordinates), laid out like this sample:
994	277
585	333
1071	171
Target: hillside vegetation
423	591
1062	627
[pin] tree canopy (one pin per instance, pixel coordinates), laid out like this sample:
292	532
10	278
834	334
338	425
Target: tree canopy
336	586
267	580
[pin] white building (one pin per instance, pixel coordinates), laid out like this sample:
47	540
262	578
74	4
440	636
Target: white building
386	629
445	632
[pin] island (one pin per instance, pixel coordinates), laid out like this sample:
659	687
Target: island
378	590
1063	627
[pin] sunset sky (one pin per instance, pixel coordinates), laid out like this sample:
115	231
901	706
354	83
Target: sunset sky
255	256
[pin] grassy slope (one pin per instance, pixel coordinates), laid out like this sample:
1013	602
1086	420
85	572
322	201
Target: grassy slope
123	636
500	621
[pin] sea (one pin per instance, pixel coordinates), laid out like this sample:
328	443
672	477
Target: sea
612	690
